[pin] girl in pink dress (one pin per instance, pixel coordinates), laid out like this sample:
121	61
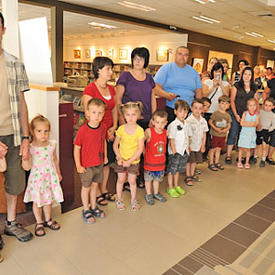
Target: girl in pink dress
43	185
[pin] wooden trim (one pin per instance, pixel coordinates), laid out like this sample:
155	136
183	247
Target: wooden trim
44	88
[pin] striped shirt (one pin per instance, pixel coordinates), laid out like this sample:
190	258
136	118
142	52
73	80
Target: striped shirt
17	82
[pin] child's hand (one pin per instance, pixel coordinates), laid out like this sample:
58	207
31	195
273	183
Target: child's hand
111	133
59	176
119	161
3	149
81	170
259	127
126	163
203	148
189	149
238	118
106	160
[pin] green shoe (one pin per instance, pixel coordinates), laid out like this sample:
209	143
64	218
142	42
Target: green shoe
173	192
179	190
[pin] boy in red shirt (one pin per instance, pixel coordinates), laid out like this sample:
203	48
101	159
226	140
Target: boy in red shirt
89	153
154	160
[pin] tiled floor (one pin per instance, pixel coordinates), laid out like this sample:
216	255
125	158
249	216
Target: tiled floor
157	237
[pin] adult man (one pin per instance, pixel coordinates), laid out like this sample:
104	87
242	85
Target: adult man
178	79
14	134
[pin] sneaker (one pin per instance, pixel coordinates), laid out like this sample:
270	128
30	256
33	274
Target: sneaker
253	160
1	243
270	161
149	198
179	190
159	197
173	193
262	163
17	230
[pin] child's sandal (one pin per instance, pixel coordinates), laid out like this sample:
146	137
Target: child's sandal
120	205
108	196
53	225
87	216
101	200
247	166
188	181
212	167
135	205
219	166
97	212
239	165
39	227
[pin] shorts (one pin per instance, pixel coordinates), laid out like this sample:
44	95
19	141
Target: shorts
132	169
176	163
93	174
263	135
272	139
195	157
217	142
15	182
153	175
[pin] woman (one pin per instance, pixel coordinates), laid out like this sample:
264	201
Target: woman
215	87
225	65
237	75
240	93
137	85
207	74
102	70
257	72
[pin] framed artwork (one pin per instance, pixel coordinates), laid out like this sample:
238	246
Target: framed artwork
111	53
123	54
270	63
87	53
98	53
77	54
162	55
198	64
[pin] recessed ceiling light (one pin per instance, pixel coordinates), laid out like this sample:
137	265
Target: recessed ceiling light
210	19
201	19
254	34
200	1
205	1
136	6
271	41
100	25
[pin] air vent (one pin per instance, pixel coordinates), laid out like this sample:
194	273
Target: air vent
262	13
265	15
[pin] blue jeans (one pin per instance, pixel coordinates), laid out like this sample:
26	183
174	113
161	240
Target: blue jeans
234	130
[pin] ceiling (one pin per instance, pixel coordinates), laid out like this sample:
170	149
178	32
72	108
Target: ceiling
236	17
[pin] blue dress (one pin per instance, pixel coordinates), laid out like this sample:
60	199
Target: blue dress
248	136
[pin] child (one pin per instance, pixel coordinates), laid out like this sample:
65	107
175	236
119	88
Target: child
197	129
128	147
265	129
89	151
247	139
220	122
43	185
154	160
177	148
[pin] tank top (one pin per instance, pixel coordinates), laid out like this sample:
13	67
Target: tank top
155	151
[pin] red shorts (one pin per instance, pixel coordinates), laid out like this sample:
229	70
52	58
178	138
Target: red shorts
217	142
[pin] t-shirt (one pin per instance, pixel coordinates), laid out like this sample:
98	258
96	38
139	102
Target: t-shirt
6	127
136	90
178	131
180	81
128	144
214	96
271	86
91	140
196	129
267	120
92	90
220	120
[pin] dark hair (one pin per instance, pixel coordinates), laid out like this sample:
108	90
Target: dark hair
99	63
224	98
269	68
206	99
2	19
141	52
223	61
197	100
160	113
97	102
240	83
244	61
270	99
216	67
181	104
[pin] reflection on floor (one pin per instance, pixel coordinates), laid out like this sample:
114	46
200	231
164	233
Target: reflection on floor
157	237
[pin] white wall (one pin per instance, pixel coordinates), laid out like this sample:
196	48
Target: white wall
153	42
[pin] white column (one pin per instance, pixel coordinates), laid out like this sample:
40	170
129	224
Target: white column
10	13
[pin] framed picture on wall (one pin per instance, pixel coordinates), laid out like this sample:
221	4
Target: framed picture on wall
162	55
270	63
98	53
198	64
77	54
87	53
123	54
111	53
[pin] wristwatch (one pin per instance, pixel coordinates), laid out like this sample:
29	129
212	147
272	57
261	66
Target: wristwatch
25	137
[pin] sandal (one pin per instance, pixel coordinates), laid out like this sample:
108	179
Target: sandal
108	196
53	224
228	160
39	227
135	205
101	199
188	181
97	212
1	259
239	165
120	205
213	167
87	216
196	178
247	166
219	166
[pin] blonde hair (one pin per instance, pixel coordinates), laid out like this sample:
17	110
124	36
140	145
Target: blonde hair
251	100
38	118
130	105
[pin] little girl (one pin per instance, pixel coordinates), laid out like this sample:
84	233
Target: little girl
247	139
128	146
43	185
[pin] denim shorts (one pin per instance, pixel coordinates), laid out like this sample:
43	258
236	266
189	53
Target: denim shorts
153	175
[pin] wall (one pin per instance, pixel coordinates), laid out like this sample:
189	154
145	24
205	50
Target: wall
152	42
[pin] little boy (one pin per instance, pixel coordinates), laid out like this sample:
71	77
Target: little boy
89	152
265	132
197	129
154	160
220	123
177	148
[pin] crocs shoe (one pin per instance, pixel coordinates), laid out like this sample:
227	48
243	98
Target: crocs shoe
149	198
173	193
179	190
